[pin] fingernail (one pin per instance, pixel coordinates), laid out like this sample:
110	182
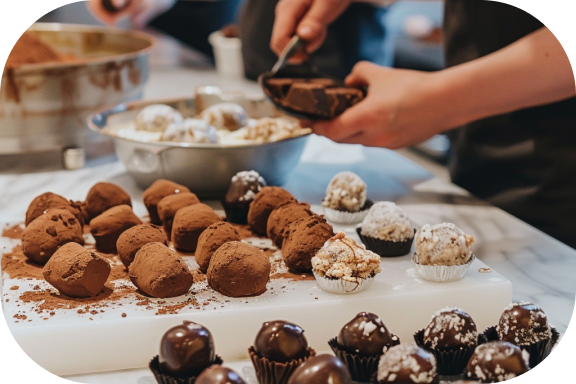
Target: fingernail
305	31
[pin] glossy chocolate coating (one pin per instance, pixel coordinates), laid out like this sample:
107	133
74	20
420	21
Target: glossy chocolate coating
217	374
321	369
186	349
497	361
281	341
450	328
365	335
522	324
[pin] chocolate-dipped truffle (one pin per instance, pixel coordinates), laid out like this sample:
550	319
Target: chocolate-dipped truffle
281	341
103	196
76	272
302	240
497	361
48	232
238	269
217	374
186	350
40	204
108	227
243	189
156	192
406	363
168	206
523	324
189	223
211	239
321	369
159	272
264	203
365	335
282	217
131	240
450	328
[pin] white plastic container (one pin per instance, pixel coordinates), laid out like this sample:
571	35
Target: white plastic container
227	54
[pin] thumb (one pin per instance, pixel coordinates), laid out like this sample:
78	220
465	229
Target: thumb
363	73
312	28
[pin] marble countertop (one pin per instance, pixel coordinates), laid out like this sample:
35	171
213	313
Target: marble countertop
540	268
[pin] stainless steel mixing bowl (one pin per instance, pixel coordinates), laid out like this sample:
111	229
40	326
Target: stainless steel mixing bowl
204	168
43	107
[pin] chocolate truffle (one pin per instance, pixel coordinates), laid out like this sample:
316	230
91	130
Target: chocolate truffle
282	217
523	324
217	374
186	350
321	369
345	192
443	244
108	227
159	272
303	239
281	342
156	192
47	200
264	203
189	223
497	361
211	239
168	206
43	236
102	197
387	221
76	272
243	189
450	328
131	240
238	269
406	363
365	335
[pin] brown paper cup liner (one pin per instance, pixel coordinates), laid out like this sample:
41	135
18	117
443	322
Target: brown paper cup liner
385	248
361	368
237	214
271	372
538	351
449	362
165	378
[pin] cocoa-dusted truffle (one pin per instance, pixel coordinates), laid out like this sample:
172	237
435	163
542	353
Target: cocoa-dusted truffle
281	341
43	236
243	189
406	363
264	203
47	200
156	192
211	239
497	361
365	335
189	223
76	272
108	227
282	217
523	324
302	240
217	374
321	369
131	240
168	206
103	196
238	269
450	328
159	272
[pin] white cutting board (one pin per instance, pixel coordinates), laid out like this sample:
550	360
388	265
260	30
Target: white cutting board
71	343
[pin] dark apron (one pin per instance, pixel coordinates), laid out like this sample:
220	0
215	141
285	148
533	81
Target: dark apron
523	162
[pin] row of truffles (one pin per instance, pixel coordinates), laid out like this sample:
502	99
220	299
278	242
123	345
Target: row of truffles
364	351
223	123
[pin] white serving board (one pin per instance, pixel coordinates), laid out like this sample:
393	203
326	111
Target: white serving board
71	343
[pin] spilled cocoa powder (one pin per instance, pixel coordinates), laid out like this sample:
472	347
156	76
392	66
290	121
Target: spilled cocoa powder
13	232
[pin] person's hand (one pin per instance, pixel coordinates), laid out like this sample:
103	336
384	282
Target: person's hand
400	109
140	12
309	19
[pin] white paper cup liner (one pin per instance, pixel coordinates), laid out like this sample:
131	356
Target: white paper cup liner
343	217
340	286
441	273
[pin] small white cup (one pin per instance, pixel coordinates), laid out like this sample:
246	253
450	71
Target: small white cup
227	54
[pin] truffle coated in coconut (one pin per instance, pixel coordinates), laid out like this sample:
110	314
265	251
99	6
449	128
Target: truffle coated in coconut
443	244
282	217
77	272
43	236
345	192
387	221
41	203
238	269
107	228
406	363
159	272
497	361
450	328
228	116
131	240
156	118
264	203
156	192
211	239
189	223
303	240
103	196
168	206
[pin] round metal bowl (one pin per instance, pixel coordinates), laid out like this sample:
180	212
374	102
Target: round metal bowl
43	107
204	168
